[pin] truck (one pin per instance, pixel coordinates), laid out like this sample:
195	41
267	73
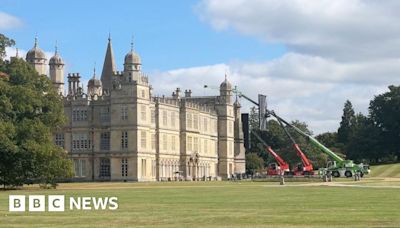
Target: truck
337	167
279	168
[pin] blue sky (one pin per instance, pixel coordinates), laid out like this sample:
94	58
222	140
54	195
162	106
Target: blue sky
308	57
167	34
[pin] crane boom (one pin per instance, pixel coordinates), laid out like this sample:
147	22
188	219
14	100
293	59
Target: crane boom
268	149
303	157
312	140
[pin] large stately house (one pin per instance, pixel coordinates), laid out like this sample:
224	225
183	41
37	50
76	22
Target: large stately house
119	131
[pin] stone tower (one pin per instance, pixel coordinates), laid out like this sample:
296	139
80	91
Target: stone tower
56	71
132	65
36	58
226	164
240	160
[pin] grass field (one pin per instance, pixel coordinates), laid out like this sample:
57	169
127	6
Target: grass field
390	170
369	203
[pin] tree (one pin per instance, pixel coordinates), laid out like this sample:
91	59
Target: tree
30	110
364	141
253	118
345	124
5	42
384	110
253	163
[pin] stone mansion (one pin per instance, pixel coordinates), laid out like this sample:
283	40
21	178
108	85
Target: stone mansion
119	131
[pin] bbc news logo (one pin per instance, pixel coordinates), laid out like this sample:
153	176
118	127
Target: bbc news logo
56	203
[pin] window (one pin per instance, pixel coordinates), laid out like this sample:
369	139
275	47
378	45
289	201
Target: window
195	121
165	118
124	112
80	167
105	114
189	143
173	142
189	120
124	140
105	141
173	119
143	167
153	116
165	141
79	114
205	146
80	141
143	93
205	124
105	167
143	112
124	167
59	139
143	139
153	141
195	144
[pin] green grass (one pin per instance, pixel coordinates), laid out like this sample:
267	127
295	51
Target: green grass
216	204
390	170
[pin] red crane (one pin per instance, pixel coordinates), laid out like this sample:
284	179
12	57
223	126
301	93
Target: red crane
304	168
274	169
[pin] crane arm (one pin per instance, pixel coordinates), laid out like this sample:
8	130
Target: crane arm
311	139
296	146
268	149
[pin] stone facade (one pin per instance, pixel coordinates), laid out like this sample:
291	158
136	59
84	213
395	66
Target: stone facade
119	131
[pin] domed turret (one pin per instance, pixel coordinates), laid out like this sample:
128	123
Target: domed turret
94	85
226	84
37	58
132	58
56	70
56	60
225	90
132	61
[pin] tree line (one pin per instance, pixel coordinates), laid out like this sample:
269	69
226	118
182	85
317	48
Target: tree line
372	138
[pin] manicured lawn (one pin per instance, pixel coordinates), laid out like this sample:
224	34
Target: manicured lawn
216	204
389	170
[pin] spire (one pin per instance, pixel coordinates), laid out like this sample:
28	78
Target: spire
132	44
108	67
36	41
55	49
94	71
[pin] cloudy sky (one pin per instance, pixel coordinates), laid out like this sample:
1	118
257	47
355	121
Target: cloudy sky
308	57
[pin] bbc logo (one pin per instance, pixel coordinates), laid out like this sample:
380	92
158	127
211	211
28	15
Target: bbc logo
36	203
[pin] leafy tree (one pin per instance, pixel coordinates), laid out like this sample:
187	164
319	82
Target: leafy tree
345	124
253	118
5	42
253	163
364	141
30	110
384	110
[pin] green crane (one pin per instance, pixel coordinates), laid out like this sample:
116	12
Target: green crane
338	166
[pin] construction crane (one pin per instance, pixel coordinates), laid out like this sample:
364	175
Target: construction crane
305	167
338	167
274	169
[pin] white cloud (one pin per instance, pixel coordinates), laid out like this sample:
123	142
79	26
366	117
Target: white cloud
8	21
340	29
298	86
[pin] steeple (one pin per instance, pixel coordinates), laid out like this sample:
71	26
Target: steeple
108	67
